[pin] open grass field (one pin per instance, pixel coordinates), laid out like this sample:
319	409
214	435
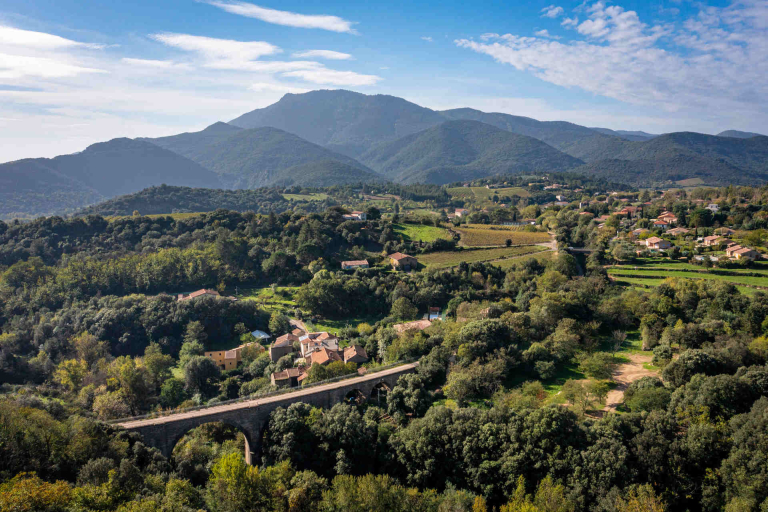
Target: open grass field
639	283
318	196
542	257
759	267
420	232
484	195
454	258
176	216
484	236
755	281
280	299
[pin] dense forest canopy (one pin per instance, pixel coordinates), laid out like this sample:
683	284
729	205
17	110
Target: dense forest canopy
91	330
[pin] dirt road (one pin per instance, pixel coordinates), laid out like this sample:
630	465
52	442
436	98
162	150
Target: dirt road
624	375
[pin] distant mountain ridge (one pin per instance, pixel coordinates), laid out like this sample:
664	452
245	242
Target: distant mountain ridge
739	135
635	136
259	157
106	169
463	150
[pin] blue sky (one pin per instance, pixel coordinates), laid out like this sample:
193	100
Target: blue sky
75	72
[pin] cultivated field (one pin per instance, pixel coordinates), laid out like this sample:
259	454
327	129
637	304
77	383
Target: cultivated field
542	257
420	232
454	258
306	197
478	235
484	195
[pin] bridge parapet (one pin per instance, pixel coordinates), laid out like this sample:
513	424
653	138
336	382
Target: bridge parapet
251	416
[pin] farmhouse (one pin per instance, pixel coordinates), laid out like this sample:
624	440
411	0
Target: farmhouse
657	243
198	293
356	216
661	224
714	208
402	261
678	231
713	240
745	253
353	264
460	212
323	356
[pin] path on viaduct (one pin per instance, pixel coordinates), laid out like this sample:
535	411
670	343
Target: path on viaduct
251	416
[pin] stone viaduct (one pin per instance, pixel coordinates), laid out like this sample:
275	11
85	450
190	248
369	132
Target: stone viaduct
251	416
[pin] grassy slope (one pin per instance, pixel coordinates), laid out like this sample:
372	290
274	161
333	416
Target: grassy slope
454	258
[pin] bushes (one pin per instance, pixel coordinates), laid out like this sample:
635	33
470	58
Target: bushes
646	394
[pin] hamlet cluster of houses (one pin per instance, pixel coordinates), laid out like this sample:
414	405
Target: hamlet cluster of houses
310	348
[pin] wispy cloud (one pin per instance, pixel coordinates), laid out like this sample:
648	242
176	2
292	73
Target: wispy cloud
39	40
326	76
20	66
427	39
323	54
553	11
570	22
218	48
714	62
276	87
154	64
286	18
545	33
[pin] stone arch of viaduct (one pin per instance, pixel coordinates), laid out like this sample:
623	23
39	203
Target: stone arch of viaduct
251	416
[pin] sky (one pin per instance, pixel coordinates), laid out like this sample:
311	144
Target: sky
76	72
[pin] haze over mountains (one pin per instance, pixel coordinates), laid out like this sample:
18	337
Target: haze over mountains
331	137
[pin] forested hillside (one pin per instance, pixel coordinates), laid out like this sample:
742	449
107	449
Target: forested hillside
463	150
505	411
343	121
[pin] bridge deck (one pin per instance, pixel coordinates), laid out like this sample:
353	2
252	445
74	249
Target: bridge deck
218	409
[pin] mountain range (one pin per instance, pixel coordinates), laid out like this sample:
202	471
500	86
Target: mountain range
332	137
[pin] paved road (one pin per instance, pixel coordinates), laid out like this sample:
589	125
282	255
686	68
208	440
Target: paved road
261	401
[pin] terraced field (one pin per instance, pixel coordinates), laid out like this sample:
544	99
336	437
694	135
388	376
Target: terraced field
655	278
454	258
306	197
472	236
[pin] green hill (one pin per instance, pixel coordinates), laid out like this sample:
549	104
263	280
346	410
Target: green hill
191	144
463	150
636	136
58	185
166	199
739	135
344	121
261	156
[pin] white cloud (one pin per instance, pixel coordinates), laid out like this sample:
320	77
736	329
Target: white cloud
212	48
286	18
553	11
38	40
323	54
545	33
570	22
332	77
154	64
714	63
427	39
20	66
276	87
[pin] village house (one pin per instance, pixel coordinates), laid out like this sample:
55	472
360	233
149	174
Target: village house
198	293
230	359
282	346
355	354
731	249
353	264
433	313
639	231
355	216
656	243
678	231
460	212
402	261
668	217
661	224
745	253
714	240
714	208
323	356
287	378
317	340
